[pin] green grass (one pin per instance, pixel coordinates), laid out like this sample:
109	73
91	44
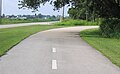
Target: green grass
16	21
107	46
9	37
71	22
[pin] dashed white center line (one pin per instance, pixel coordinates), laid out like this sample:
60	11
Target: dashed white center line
54	50
54	64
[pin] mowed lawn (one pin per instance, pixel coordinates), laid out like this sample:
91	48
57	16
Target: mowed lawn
11	36
107	46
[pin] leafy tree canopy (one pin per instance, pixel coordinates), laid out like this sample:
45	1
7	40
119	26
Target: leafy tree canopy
104	8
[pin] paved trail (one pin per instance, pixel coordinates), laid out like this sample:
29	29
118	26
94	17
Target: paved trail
57	51
27	24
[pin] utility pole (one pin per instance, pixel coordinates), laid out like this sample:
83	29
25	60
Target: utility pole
93	11
86	15
87	10
0	10
63	11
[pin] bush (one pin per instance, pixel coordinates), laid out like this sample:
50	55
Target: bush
71	22
110	28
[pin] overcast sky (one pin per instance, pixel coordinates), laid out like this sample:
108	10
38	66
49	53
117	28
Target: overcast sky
11	7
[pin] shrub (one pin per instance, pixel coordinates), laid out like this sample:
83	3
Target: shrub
71	22
110	28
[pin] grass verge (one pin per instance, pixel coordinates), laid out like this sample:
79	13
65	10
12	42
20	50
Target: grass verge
9	37
107	46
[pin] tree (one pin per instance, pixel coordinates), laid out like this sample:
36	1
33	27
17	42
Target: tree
108	8
103	8
83	10
32	4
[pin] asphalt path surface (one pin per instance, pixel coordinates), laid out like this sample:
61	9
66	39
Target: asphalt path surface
56	51
27	24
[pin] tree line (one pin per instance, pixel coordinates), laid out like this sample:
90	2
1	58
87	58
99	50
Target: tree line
80	8
109	10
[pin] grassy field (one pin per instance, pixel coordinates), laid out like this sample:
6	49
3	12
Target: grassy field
11	36
70	22
15	21
107	46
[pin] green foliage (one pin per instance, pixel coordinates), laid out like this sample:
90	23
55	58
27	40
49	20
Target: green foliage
76	23
15	21
73	13
90	33
103	8
31	4
109	47
83	9
110	28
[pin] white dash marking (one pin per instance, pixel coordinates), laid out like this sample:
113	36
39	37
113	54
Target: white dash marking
54	50
54	64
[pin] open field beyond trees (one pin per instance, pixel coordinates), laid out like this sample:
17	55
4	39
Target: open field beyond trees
16	21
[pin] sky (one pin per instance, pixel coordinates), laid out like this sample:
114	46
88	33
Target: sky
11	7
